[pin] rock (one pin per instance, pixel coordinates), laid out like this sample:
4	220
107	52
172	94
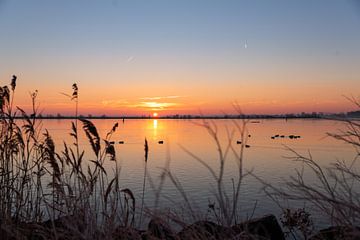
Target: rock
124	233
266	227
247	236
206	230
160	229
22	230
338	233
71	222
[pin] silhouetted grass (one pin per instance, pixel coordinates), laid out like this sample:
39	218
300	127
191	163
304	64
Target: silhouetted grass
58	194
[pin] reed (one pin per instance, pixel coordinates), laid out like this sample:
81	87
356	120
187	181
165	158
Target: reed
146	150
335	192
227	212
78	198
39	183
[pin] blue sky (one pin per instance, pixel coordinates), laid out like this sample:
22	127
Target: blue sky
187	48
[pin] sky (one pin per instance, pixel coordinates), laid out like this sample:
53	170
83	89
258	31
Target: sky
182	57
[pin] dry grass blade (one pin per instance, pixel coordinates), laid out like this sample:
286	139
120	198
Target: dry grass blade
129	193
99	166
110	150
74	131
75	91
146	150
4	97
92	135
108	189
13	83
49	155
113	129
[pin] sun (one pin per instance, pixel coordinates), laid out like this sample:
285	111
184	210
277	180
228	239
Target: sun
155	114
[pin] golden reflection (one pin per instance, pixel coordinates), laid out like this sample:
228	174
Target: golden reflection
155	126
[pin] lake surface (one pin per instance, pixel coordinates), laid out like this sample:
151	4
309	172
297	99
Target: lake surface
266	157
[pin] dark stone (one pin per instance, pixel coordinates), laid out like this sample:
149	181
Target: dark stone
338	233
73	223
123	233
206	230
30	231
266	227
160	229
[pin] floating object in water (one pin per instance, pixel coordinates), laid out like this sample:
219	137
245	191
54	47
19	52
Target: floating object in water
291	136
112	142
249	135
272	137
247	146
121	142
161	142
277	135
238	142
255	122
298	137
282	136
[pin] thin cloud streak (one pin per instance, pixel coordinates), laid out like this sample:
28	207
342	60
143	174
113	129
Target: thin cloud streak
163	97
146	103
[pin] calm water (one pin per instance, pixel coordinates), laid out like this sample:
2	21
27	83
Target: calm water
266	156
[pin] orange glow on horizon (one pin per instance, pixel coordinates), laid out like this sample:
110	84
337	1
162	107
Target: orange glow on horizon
98	100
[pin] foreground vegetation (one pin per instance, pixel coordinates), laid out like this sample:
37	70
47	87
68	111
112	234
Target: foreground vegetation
46	193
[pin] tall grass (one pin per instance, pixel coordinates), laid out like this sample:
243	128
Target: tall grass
226	207
38	182
335	192
146	150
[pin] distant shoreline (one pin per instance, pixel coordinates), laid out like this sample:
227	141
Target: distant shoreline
250	117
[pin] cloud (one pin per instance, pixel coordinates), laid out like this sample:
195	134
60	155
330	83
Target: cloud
163	97
154	105
114	103
130	59
148	103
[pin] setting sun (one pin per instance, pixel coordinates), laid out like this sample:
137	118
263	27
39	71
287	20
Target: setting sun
155	114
